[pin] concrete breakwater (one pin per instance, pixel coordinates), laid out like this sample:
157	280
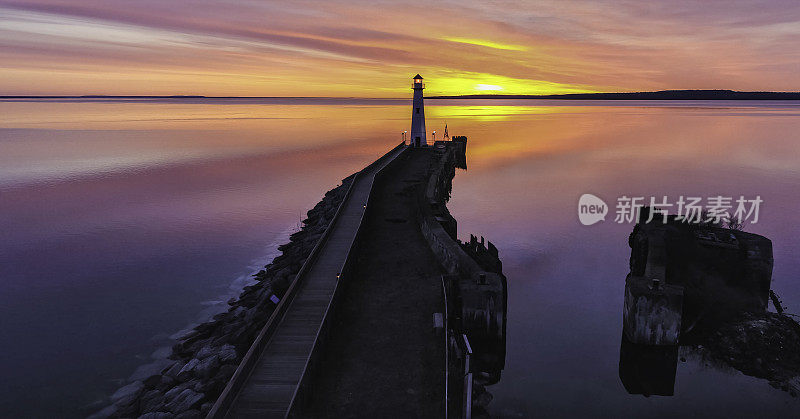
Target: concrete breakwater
379	343
203	360
393	213
476	294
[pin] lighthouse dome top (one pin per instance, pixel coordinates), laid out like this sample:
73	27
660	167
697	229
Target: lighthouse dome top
418	84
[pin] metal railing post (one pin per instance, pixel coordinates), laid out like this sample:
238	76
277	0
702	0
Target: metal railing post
467	379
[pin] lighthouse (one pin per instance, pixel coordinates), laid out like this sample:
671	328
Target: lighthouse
417	138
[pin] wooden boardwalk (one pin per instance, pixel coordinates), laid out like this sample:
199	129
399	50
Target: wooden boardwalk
270	387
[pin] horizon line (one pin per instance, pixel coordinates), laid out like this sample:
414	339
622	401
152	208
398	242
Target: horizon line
642	95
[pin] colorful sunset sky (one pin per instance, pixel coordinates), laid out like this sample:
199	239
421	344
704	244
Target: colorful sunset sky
371	48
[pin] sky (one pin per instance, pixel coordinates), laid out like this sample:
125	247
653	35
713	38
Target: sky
372	48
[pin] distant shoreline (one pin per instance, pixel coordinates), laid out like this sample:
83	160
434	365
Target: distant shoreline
175	97
657	95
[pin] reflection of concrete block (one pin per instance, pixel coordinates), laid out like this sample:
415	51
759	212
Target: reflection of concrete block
482	301
652	313
647	369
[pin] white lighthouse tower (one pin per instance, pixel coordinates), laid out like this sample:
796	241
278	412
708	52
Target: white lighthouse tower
417	138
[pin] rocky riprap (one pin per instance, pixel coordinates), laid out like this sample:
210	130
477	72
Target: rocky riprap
763	345
204	359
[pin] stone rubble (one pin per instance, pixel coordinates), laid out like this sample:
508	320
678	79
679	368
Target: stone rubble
762	345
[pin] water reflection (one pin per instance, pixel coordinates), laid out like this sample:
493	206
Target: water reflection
125	223
648	370
52	141
525	178
119	220
489	112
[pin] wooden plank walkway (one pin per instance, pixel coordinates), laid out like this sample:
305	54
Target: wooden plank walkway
269	389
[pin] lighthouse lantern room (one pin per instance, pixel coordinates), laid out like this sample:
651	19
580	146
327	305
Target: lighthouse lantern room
417	138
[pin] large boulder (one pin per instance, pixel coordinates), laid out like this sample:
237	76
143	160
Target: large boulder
207	367
227	353
184	401
186	372
174	369
173	392
206	351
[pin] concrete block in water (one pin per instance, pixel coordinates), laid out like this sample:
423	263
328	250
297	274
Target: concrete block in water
723	271
652	313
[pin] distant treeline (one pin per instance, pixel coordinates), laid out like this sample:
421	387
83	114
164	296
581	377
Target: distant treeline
659	95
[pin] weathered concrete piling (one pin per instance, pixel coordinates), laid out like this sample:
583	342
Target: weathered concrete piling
652	312
683	273
705	288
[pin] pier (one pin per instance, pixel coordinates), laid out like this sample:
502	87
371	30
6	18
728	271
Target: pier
365	328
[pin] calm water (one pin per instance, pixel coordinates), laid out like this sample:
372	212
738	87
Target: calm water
124	222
